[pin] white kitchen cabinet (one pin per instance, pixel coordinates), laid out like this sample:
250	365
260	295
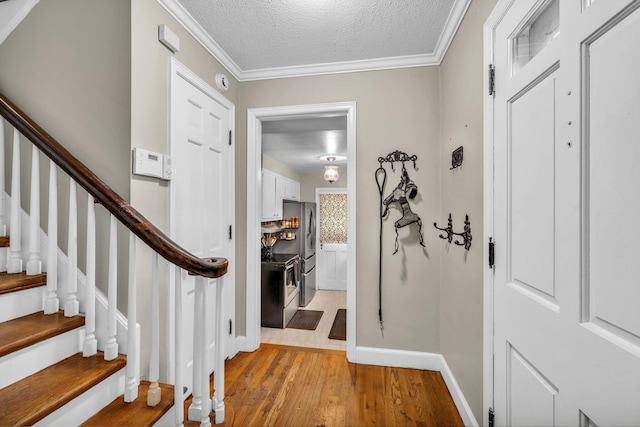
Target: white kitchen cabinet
275	189
292	189
269	205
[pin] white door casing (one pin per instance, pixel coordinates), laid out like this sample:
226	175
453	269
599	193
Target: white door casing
255	116
331	262
562	173
201	196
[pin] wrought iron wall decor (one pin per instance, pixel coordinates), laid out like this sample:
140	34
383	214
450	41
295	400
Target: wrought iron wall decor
456	158
448	230
402	193
466	234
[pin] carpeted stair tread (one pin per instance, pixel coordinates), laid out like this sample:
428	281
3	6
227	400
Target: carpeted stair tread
136	413
33	398
20	333
20	281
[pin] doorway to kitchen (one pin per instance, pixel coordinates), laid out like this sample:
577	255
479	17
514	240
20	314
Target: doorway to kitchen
257	121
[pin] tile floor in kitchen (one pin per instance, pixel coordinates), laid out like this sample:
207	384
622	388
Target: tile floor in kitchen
327	301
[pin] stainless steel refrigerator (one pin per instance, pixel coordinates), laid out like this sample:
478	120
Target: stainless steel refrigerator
304	244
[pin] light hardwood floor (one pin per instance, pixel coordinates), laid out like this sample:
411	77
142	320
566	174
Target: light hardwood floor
300	386
327	301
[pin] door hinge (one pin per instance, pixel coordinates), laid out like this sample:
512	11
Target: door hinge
491	415
230	231
230	326
229	137
491	252
492	79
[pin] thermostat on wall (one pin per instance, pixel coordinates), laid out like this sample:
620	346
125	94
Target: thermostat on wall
152	164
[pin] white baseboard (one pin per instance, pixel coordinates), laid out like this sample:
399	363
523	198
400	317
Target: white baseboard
423	361
241	345
461	403
398	358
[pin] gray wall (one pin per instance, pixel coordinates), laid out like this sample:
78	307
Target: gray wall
312	181
273	165
462	193
67	66
403	116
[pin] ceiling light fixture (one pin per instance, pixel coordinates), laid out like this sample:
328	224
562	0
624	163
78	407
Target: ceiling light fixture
331	171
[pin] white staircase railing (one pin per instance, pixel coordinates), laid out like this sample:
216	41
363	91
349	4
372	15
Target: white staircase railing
139	228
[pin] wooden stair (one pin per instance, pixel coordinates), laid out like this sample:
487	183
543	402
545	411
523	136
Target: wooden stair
20	281
58	385
36	396
136	413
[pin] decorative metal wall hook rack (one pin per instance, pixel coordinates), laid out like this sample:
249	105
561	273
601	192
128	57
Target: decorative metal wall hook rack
448	230
466	234
398	156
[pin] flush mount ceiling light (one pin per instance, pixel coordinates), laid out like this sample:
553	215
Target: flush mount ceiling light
331	171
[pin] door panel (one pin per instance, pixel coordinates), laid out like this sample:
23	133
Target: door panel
532	397
531	145
201	198
566	177
613	181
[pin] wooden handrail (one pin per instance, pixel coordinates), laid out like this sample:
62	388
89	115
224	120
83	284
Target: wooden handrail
103	194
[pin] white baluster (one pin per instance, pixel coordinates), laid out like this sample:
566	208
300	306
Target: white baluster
153	398
3	223
14	263
218	377
51	302
90	346
72	306
203	282
131	387
195	409
34	265
111	347
178	398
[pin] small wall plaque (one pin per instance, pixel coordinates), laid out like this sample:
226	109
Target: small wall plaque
456	158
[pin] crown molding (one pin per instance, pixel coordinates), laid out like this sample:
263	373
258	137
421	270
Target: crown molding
188	22
180	14
12	15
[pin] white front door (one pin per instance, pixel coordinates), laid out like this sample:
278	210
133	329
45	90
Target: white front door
567	173
332	237
201	195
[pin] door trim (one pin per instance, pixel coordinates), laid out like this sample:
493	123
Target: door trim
179	70
255	117
498	13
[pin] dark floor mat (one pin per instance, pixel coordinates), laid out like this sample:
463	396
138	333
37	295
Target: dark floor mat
305	319
339	327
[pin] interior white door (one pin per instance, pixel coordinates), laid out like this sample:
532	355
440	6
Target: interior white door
201	196
332	267
332	238
567	173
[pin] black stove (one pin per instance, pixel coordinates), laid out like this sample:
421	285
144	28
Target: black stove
281	258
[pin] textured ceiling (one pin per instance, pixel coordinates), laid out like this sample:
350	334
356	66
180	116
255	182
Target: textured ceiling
298	143
258	39
264	39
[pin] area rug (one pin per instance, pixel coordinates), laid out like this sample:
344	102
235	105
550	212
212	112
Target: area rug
305	319
339	327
